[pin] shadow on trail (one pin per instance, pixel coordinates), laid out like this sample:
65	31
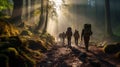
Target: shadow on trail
84	58
59	62
108	64
81	56
52	61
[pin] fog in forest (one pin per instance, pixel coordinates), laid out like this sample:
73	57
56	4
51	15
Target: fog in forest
75	15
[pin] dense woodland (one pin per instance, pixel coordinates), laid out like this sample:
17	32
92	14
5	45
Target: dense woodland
24	35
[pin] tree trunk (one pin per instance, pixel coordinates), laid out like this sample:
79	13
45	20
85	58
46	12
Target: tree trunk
32	7
32	11
17	11
107	19
42	18
26	12
46	20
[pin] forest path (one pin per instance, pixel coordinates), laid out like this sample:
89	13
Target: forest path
76	56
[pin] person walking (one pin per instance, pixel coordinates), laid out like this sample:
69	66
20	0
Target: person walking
86	33
69	35
76	37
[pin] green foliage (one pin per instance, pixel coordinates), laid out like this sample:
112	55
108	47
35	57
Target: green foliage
5	4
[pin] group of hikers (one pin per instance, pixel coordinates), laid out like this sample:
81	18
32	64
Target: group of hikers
85	35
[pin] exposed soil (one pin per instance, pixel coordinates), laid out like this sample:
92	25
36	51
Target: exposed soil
77	56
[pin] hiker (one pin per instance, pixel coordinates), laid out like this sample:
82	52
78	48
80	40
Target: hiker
76	37
69	35
63	37
86	33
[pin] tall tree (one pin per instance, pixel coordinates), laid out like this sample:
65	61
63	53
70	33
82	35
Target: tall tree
26	10
17	11
46	19
107	19
42	18
32	10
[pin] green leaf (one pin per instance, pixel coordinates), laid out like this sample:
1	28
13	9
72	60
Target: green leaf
5	4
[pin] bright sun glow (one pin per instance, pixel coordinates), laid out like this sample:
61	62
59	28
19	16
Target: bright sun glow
54	28
58	2
58	5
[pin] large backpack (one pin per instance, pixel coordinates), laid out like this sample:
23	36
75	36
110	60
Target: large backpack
76	34
87	30
69	32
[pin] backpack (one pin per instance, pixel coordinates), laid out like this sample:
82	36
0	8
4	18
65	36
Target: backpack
69	32
87	30
76	34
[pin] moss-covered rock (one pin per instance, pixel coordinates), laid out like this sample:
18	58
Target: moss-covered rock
112	48
13	41
17	52
10	51
12	58
20	51
4	45
37	45
48	38
29	60
26	32
7	29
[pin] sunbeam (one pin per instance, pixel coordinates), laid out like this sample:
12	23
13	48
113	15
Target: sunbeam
54	22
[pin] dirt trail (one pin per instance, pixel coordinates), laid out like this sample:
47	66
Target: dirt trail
76	56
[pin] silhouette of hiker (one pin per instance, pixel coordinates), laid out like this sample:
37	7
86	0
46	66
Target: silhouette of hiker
63	37
69	35
76	37
86	33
